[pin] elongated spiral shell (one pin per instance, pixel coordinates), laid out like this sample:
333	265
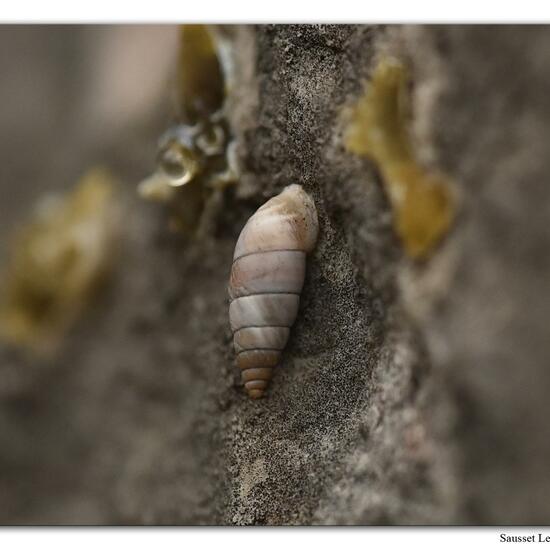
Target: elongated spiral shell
266	281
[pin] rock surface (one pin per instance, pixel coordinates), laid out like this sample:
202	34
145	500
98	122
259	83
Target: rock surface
409	393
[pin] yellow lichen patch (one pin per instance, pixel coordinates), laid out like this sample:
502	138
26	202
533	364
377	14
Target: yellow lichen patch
196	157
200	77
422	201
58	259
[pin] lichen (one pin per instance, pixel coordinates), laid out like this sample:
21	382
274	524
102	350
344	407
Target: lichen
58	260
196	157
200	80
422	200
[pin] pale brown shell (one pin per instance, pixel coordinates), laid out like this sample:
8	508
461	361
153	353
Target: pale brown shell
266	281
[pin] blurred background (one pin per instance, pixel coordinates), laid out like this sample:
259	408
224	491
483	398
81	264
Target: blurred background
72	98
75	96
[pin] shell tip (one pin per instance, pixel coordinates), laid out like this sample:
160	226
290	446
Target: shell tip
256	394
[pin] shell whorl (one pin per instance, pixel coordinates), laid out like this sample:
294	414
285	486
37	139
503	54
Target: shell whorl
267	276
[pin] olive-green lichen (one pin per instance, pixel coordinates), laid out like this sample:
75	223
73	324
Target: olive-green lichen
196	157
58	259
422	200
200	80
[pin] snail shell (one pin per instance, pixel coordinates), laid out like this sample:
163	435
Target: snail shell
266	281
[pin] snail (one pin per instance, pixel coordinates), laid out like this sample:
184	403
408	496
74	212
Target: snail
266	280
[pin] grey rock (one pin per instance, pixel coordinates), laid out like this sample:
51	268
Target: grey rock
408	394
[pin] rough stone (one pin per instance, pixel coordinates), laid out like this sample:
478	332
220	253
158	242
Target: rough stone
408	393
